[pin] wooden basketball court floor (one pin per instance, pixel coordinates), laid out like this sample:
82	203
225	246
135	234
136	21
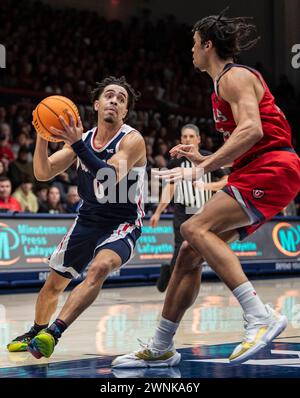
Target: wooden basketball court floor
206	337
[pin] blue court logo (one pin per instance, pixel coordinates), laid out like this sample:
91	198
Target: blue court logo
286	238
9	242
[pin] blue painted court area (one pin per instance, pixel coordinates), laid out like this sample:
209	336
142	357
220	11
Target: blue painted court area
279	360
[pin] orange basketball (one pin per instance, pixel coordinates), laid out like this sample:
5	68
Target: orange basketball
46	114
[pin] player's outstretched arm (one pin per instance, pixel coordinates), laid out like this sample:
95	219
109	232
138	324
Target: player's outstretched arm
132	152
239	88
45	168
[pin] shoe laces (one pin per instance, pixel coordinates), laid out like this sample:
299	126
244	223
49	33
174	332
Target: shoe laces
148	346
28	335
144	345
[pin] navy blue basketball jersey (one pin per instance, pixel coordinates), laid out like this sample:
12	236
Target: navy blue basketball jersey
106	203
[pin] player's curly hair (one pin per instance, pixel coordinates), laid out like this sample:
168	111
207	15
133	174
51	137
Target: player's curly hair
229	36
133	95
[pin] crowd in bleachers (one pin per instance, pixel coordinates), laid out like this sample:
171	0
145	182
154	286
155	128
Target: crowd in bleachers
65	51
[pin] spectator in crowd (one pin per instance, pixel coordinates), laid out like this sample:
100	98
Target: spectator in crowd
209	143
53	204
41	191
62	182
22	140
21	167
149	153
73	200
150	138
5	130
25	196
2	168
6	153
163	150
160	161
2	114
7	202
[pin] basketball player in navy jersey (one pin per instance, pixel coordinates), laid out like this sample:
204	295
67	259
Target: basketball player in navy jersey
265	178
104	234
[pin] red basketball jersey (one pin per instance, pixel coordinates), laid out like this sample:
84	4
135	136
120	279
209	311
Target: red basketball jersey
276	129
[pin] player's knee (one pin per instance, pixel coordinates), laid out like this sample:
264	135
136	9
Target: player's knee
52	289
187	229
100	270
183	230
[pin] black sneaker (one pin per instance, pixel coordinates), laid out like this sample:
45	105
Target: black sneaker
164	277
20	343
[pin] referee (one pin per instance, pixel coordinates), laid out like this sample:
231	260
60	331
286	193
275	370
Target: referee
187	198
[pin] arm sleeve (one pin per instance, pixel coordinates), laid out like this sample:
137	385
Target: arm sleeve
90	160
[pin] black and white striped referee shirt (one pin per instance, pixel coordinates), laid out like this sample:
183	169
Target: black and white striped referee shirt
185	193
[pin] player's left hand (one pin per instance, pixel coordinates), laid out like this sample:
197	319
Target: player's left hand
71	132
179	173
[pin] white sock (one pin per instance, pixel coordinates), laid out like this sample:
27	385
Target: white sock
249	300
164	334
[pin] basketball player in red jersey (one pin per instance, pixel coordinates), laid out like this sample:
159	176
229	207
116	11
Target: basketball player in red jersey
265	179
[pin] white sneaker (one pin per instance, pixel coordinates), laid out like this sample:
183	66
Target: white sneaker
259	333
148	357
138	373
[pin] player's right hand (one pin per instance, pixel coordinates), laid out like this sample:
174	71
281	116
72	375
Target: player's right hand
71	132
154	220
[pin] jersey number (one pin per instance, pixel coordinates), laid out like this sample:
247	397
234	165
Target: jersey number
218	116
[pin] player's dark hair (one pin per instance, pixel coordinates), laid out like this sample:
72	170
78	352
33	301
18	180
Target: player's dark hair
133	96
229	36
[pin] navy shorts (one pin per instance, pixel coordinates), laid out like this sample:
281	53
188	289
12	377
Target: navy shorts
83	241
